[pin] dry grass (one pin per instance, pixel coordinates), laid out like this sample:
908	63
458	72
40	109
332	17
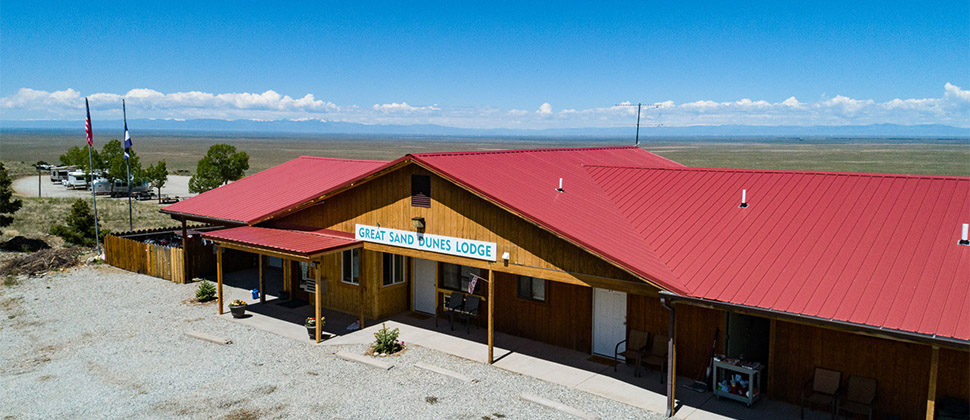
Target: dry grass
35	218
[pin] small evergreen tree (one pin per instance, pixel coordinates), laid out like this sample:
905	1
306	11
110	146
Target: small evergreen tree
8	204
80	225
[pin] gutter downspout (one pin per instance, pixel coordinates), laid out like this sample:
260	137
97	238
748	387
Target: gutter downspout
671	357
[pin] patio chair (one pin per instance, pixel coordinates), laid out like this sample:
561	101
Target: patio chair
636	347
822	390
453	304
859	395
658	355
469	311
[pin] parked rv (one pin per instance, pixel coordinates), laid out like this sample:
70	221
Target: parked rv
59	173
75	180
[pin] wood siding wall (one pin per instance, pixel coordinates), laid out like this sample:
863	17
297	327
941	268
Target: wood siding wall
695	330
900	369
954	374
565	319
453	212
379	301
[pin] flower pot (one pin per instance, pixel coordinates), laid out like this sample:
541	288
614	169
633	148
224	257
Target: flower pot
312	332
238	311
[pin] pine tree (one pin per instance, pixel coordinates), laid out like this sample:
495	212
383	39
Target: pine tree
8	205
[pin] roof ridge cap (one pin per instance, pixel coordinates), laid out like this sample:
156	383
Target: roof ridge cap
510	151
341	159
784	171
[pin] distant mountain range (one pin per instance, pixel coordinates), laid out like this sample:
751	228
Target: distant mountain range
311	127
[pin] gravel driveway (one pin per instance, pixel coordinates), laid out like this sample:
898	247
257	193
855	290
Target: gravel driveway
177	185
99	342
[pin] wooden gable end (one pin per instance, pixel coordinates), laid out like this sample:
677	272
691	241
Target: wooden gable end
455	211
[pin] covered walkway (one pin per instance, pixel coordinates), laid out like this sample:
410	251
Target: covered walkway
515	354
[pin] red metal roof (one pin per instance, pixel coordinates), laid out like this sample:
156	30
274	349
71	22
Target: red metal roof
305	243
282	187
870	249
525	182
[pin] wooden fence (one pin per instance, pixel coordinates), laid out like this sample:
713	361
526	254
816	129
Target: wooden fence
161	261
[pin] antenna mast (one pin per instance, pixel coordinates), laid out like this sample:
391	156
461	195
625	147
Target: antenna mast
640	105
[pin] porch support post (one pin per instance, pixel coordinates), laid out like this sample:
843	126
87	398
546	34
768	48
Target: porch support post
318	299
360	285
186	256
671	358
219	275
287	274
931	396
491	316
262	278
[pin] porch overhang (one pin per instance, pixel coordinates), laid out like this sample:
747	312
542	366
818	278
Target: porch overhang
297	245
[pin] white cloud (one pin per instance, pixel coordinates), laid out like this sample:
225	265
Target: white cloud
545	109
403	107
952	108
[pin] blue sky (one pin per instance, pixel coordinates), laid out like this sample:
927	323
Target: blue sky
514	64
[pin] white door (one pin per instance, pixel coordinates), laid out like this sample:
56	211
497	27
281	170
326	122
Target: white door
609	320
425	275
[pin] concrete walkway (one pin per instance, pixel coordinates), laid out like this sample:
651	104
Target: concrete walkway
515	354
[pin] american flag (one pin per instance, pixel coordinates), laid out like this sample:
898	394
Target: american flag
471	284
87	124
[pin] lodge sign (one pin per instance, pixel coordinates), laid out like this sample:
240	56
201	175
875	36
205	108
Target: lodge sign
461	247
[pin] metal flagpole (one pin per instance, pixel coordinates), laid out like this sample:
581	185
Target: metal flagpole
124	112
90	133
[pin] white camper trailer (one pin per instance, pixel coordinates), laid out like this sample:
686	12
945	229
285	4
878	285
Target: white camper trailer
59	173
75	180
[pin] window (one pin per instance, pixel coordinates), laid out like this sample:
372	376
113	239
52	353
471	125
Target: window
350	266
420	191
457	277
532	288
393	269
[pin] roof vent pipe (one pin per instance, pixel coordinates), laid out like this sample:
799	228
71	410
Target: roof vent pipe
560	186
744	199
965	240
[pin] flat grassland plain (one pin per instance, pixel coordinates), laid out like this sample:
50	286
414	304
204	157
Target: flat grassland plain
925	156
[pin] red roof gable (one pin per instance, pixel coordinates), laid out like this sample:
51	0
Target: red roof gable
525	182
266	193
870	249
305	243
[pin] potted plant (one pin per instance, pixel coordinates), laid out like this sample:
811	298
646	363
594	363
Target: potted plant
311	326
238	308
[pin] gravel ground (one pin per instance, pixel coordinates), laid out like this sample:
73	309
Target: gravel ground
99	342
177	185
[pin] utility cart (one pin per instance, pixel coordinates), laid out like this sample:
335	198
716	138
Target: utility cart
727	371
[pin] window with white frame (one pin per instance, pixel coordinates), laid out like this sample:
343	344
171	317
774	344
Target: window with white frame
393	269
532	288
350	266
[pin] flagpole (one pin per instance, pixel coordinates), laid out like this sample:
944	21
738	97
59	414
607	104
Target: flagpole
124	112
94	199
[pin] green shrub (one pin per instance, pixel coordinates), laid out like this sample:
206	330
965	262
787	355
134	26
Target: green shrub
80	225
386	342
206	291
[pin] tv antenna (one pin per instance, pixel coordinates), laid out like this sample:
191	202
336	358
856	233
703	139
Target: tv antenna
640	106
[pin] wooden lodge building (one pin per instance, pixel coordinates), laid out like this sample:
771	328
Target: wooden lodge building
863	274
